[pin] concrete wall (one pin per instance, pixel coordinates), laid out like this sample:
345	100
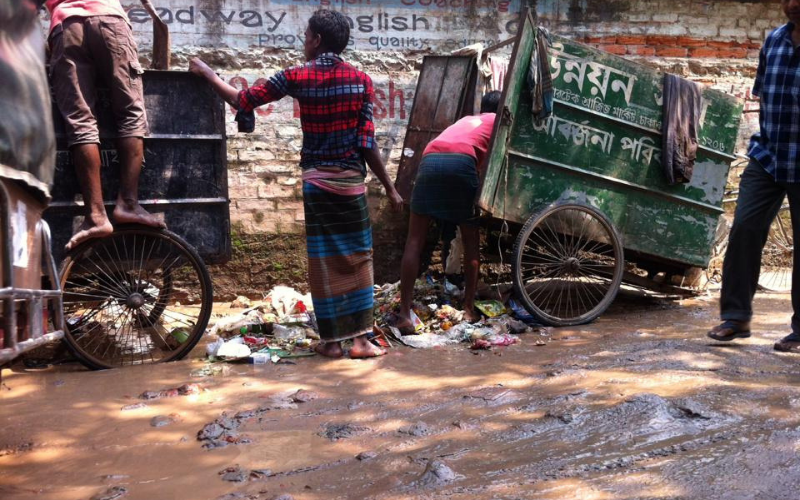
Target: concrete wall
714	42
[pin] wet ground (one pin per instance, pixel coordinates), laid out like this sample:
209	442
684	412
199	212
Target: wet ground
638	405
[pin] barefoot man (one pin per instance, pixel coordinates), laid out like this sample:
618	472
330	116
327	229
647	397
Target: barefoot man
445	189
338	137
91	40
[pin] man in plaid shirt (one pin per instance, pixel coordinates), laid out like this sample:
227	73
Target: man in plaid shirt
772	174
338	139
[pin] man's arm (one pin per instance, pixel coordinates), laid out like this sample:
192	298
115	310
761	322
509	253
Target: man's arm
373	158
228	92
247	100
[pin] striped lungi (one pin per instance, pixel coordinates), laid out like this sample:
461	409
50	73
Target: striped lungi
339	245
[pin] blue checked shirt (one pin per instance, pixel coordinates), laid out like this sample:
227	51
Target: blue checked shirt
777	144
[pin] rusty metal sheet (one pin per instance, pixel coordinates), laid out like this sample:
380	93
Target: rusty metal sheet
445	89
185	174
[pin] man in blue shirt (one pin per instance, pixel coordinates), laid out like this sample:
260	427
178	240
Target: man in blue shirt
773	173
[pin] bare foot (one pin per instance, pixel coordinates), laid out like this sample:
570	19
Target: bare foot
404	324
329	350
363	348
471	316
133	213
88	230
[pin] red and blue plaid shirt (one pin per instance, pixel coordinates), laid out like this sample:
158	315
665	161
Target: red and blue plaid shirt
777	144
335	110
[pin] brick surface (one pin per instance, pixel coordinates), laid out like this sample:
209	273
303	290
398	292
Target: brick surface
671	52
619	50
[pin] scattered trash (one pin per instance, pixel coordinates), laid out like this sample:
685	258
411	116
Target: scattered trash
283	326
491	308
233	349
240	303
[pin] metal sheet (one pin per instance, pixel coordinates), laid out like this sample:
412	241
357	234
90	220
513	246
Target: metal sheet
185	173
602	147
443	89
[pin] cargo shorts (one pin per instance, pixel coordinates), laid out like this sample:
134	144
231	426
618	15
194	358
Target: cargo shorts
85	52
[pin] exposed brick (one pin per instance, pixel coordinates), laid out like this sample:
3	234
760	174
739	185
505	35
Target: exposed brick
752	54
671	52
631	40
723	44
619	50
687	41
732	53
601	39
641	50
703	52
661	41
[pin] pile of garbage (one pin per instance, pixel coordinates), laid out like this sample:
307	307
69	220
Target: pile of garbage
282	326
438	318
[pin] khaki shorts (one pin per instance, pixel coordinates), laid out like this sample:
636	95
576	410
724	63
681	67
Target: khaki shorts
85	51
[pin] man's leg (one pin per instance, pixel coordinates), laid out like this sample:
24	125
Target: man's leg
760	198
73	78
470	236
128	210
792	341
86	158
409	267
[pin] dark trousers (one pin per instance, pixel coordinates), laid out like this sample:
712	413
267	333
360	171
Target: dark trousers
760	198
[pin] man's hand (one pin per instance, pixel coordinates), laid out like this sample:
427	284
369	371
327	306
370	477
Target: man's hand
395	200
199	68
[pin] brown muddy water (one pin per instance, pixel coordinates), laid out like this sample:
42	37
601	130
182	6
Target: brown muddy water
638	405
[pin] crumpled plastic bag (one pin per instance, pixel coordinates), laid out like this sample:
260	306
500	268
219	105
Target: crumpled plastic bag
284	299
234	323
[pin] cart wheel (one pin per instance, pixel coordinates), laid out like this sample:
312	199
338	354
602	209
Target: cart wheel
139	296
568	264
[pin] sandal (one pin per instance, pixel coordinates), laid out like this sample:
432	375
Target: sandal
790	343
730	330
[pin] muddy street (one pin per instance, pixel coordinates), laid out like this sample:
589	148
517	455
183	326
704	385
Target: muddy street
636	405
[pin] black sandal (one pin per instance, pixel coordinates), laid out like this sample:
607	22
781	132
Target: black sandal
730	330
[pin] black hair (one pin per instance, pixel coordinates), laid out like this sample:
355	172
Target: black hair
332	27
491	101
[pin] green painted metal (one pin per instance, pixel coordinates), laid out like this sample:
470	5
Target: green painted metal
602	147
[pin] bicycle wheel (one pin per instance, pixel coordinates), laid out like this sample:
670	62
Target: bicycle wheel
568	264
138	296
776	260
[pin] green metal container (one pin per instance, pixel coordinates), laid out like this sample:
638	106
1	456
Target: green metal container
602	147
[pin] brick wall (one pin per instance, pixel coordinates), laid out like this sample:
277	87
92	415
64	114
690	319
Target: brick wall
714	42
